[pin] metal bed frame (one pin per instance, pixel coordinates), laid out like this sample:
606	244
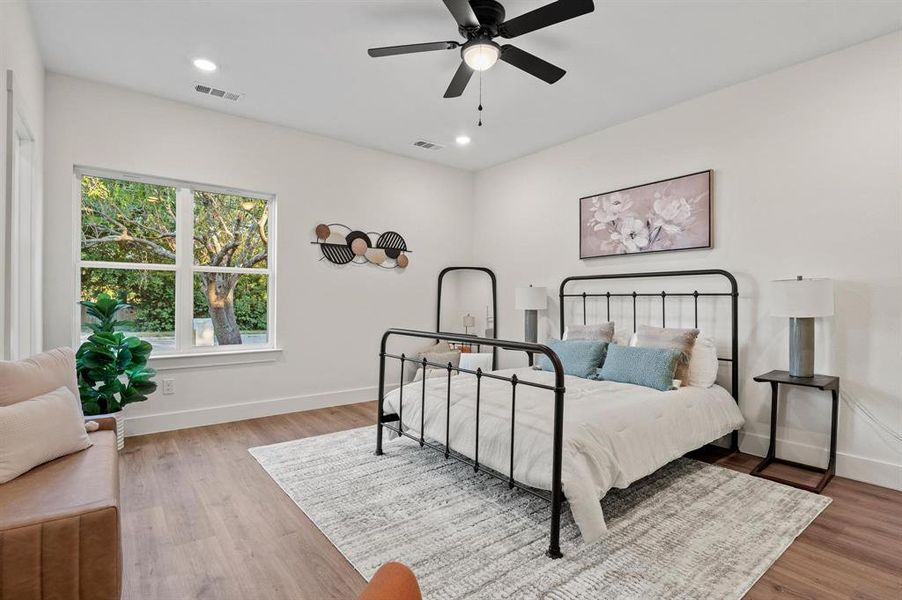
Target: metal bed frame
394	422
733	294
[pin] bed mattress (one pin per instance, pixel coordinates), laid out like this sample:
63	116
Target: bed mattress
614	433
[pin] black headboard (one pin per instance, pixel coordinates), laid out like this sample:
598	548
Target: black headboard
662	296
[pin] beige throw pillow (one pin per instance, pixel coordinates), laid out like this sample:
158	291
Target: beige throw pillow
40	374
442	358
433	349
411	369
681	339
601	332
38	430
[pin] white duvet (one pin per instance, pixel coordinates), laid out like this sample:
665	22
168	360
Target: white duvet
614	433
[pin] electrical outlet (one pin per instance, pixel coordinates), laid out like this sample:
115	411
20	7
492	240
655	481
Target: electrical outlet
168	387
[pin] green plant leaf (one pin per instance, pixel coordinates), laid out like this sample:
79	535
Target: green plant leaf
132	342
98	349
103	338
124	358
145	387
110	387
90	407
95	360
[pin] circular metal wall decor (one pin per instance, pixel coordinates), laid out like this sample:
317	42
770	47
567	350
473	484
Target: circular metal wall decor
341	245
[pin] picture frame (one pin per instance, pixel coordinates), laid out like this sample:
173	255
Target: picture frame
661	216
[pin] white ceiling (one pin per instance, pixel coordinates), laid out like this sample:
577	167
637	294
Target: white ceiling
304	63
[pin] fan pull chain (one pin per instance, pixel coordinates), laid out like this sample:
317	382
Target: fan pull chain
480	100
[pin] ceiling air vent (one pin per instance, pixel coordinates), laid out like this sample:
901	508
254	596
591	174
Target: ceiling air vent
427	145
212	91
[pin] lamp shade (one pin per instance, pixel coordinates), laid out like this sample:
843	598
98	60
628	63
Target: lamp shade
469	320
531	298
802	298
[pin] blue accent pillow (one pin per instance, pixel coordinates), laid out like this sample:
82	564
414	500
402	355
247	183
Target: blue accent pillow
580	358
649	367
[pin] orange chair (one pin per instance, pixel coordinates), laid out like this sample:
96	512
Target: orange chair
393	581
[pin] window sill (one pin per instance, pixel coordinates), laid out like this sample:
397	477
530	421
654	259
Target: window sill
201	360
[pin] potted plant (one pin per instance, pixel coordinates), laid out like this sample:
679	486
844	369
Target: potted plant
112	367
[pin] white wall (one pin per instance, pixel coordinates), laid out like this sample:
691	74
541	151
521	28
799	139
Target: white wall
808	180
19	54
329	319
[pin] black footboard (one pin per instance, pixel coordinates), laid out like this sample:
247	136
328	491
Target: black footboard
395	423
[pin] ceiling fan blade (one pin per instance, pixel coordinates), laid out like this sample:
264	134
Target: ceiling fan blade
459	81
531	64
411	48
550	14
462	12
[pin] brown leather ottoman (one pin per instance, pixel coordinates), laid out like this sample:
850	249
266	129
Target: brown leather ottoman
59	527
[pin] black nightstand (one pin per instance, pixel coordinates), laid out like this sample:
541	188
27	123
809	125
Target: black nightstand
821	382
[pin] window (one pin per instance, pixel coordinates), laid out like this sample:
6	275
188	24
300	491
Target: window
195	263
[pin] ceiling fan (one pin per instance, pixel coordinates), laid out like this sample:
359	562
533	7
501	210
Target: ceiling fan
480	21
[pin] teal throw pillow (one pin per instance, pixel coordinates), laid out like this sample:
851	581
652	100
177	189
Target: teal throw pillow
580	358
649	367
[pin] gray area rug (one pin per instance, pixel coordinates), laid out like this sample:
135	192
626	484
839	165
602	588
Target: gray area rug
690	530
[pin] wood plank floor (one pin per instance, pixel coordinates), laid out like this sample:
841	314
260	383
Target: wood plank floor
201	519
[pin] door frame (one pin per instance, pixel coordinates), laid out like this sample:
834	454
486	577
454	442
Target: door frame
22	233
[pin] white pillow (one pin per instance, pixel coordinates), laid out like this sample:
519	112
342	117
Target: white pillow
601	332
38	430
476	360
703	364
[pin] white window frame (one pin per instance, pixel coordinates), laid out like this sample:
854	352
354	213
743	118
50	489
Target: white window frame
184	269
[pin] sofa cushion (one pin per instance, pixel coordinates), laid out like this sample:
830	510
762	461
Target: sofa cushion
35	431
40	374
73	484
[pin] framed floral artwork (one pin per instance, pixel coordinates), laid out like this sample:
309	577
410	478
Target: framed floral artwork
671	214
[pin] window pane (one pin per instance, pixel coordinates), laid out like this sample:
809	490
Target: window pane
151	294
230	309
230	231
127	221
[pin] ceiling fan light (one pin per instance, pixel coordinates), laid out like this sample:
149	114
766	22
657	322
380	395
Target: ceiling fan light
480	57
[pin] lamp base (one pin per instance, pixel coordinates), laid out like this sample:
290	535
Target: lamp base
531	332
801	346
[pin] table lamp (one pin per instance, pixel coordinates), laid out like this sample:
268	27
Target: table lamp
531	300
802	300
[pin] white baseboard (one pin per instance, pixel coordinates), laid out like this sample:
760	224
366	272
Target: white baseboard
851	466
211	415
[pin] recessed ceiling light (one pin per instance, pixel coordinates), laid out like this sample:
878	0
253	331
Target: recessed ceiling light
205	64
462	140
